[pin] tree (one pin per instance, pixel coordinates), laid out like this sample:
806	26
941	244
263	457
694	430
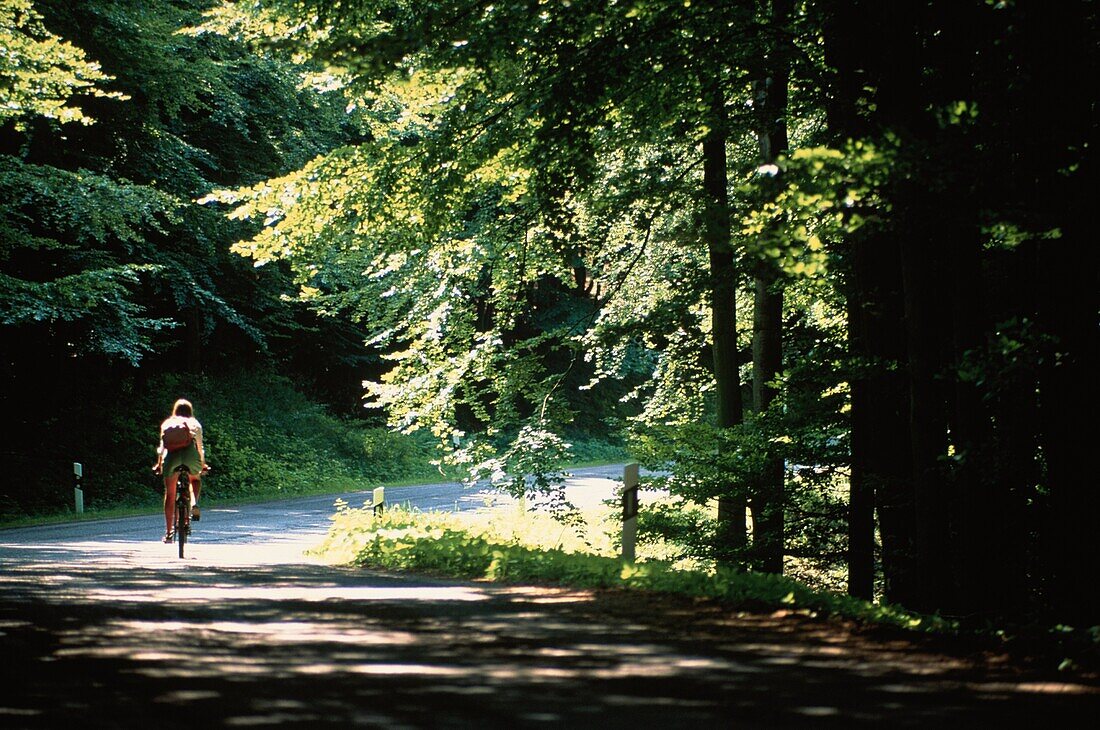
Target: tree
41	72
514	150
767	342
944	84
110	271
550	194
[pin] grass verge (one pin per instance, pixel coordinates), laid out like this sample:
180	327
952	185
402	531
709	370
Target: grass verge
510	546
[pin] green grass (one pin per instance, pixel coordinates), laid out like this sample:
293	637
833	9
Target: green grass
513	546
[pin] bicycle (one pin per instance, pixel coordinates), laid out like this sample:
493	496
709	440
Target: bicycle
183	505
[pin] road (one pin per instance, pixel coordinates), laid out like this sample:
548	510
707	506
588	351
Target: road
102	626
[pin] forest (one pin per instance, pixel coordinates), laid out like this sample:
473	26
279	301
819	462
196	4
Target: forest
822	266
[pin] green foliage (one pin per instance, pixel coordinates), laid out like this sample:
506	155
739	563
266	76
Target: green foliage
394	456
84	212
442	543
600	449
531	464
111	275
827	195
680	531
493	177
263	438
57	232
40	72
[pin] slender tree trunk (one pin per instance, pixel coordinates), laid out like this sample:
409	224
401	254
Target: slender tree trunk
1010	470
767	340
767	362
841	52
723	303
861	494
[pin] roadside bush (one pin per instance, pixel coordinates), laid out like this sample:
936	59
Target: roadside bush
394	456
263	438
470	547
588	449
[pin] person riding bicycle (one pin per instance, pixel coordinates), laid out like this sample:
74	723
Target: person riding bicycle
180	443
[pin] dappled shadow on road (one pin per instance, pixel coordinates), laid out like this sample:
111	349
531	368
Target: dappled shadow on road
133	636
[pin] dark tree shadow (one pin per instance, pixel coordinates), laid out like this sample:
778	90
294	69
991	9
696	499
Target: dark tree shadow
121	635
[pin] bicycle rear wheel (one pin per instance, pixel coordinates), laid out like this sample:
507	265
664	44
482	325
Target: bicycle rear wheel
183	508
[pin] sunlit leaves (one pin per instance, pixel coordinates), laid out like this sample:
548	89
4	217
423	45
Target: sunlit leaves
827	195
40	72
513	153
77	207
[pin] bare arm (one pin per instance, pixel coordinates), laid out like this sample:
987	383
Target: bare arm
199	446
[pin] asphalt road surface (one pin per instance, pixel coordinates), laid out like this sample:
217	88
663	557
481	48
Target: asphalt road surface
102	626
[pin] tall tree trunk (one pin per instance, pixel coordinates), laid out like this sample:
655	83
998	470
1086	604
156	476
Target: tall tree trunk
970	438
881	456
861	494
1068	297
880	448
723	303
767	318
767	362
1068	388
986	542
927	412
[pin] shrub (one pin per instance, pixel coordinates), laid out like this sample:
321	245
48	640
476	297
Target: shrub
263	438
476	547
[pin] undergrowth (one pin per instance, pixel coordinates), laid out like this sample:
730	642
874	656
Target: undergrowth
510	546
264	439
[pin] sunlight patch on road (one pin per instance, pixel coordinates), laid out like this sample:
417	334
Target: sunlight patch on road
1031	687
542	594
818	711
155	554
408	669
214	594
184	696
281	632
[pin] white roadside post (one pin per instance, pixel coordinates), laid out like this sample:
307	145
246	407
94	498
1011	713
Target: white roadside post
379	500
78	491
630	511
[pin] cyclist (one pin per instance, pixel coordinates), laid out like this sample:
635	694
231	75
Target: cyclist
193	455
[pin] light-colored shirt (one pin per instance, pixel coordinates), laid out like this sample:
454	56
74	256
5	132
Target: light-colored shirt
196	433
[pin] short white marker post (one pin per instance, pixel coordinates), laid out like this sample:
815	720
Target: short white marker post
630	511
379	500
78	491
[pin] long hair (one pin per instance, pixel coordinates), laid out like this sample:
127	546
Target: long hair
182	407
